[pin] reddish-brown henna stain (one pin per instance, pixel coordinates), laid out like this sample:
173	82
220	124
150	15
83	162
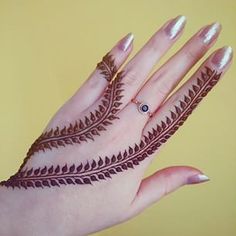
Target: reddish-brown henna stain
85	128
105	167
107	67
90	125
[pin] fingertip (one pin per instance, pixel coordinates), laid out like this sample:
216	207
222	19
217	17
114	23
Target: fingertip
197	179
222	57
125	43
175	27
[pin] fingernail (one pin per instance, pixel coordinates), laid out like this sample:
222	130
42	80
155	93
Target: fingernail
222	57
196	179
175	26
209	33
126	42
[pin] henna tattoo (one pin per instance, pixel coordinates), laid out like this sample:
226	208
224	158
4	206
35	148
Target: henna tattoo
85	129
104	168
91	125
107	67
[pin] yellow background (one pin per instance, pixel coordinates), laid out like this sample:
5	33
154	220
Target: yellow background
48	48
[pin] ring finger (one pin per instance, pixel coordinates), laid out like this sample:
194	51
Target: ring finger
165	79
176	109
137	69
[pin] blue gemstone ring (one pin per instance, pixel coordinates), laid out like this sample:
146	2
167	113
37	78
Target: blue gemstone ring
143	108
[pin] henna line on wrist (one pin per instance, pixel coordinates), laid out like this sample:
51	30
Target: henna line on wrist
103	169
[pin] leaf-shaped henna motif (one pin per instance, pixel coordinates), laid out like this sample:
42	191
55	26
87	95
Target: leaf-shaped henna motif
86	128
104	168
107	67
91	125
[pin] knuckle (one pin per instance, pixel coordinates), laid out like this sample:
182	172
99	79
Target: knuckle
164	88
194	53
154	44
190	54
130	77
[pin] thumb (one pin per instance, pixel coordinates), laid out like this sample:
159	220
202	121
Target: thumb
162	182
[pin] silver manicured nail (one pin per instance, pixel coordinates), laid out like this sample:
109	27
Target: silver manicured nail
222	57
209	33
126	42
175	26
196	179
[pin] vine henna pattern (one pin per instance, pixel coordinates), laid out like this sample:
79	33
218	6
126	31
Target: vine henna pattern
91	125
107	67
104	168
87	129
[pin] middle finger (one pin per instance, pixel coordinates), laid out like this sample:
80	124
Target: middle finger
165	79
138	68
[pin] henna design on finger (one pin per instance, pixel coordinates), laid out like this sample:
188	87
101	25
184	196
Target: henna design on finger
107	67
104	168
86	128
91	125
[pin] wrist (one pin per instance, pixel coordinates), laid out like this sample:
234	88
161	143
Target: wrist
7	212
17	212
24	213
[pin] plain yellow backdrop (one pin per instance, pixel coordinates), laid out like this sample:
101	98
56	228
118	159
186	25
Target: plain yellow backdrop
48	48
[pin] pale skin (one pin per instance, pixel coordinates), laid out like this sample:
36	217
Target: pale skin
81	209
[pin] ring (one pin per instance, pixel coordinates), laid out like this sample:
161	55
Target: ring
143	107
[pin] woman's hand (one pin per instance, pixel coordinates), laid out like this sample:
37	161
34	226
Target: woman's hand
84	173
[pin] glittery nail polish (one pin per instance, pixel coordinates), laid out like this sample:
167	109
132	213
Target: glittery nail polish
175	26
195	179
210	32
126	42
222	57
